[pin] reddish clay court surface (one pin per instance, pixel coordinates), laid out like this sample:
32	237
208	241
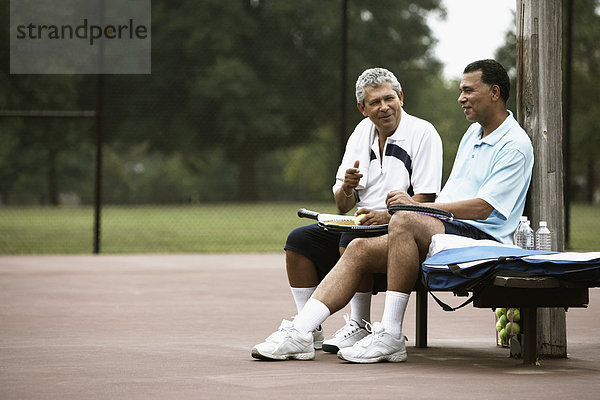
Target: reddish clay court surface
182	326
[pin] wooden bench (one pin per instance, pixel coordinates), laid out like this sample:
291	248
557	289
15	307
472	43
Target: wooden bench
526	293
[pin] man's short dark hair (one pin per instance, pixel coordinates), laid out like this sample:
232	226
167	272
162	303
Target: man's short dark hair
492	73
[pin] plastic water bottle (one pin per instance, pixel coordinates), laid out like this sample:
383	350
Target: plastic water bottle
518	238
543	237
529	237
524	236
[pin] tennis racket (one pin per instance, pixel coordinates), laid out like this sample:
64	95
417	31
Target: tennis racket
341	223
431	211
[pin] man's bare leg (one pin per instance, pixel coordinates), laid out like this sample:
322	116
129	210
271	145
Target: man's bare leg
360	303
302	276
303	279
362	258
295	339
300	270
409	236
409	239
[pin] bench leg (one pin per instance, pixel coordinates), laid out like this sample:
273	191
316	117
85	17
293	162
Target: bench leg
421	305
529	322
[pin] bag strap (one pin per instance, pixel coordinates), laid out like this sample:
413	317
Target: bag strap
446	307
456	270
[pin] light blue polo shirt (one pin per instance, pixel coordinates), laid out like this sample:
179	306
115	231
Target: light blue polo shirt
496	169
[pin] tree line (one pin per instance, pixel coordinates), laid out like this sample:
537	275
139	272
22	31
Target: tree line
244	103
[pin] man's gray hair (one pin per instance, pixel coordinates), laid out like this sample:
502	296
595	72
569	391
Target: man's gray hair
375	77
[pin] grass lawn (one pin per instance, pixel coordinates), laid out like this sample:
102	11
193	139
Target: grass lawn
585	228
212	228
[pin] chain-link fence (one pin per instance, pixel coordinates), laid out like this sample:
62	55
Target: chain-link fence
241	122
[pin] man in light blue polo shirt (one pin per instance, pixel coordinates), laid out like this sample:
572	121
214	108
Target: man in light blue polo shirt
493	168
485	192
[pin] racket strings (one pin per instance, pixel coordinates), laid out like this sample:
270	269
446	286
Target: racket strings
343	222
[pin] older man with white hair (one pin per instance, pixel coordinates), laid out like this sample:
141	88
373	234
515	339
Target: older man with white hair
389	150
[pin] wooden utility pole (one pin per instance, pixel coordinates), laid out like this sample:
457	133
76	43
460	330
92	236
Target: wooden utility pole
539	111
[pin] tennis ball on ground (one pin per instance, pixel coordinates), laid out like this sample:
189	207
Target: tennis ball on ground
514	313
515	328
500	312
503	320
499	326
503	336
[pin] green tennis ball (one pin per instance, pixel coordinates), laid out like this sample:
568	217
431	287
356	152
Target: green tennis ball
515	328
359	218
514	313
499	326
507	327
503	320
503	336
500	312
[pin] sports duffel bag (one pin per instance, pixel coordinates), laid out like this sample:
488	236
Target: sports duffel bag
461	269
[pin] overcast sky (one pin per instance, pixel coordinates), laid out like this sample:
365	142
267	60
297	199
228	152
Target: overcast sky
473	30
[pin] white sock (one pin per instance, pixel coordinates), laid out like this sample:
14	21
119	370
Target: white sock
301	296
393	312
311	316
360	307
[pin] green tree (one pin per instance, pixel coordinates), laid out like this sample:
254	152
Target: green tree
249	77
438	104
507	56
40	157
235	87
585	141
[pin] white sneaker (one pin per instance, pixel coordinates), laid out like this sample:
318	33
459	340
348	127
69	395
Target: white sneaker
378	346
345	336
318	338
286	343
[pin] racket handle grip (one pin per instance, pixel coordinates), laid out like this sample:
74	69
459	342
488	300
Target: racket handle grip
304	213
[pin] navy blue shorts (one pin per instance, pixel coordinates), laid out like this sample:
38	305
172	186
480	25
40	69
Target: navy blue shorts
320	246
460	228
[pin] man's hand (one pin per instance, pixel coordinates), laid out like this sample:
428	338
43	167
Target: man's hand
351	179
372	217
399	197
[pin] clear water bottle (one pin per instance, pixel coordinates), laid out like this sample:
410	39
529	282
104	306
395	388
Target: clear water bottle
524	235
518	238
529	237
543	237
